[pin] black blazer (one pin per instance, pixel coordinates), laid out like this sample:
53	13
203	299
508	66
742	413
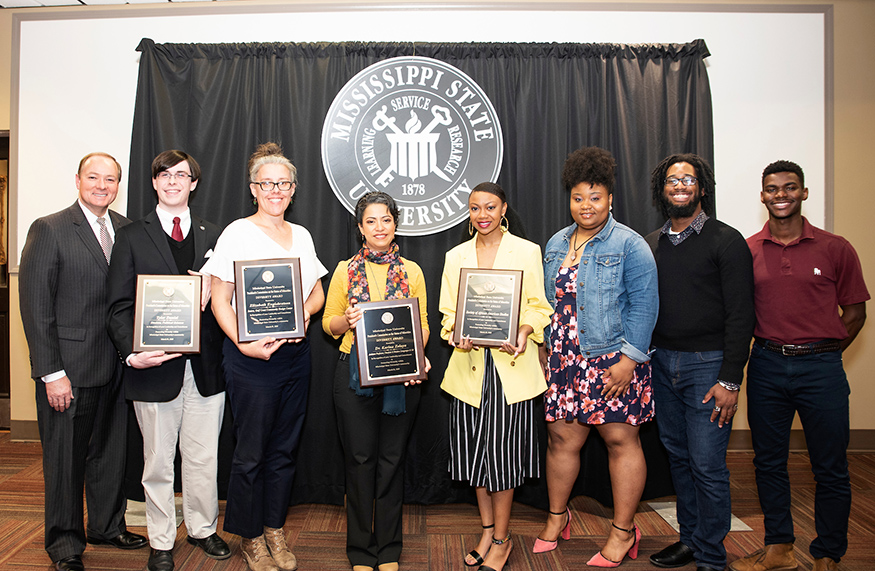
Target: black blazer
142	248
62	286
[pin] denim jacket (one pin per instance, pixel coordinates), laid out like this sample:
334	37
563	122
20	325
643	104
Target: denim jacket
616	282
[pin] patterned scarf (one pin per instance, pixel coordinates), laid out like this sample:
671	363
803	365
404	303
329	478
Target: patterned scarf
397	287
396	281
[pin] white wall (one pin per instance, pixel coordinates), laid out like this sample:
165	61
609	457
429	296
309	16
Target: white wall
77	81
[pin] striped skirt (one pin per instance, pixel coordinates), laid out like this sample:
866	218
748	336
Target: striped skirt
494	446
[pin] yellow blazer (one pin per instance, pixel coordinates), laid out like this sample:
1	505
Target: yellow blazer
523	379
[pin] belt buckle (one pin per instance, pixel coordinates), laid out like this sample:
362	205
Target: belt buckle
791	348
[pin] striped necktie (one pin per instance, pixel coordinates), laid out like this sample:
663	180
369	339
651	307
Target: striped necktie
105	240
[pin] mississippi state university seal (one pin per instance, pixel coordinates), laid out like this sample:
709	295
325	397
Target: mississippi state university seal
418	129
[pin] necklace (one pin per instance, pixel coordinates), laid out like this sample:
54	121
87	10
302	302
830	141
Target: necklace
576	247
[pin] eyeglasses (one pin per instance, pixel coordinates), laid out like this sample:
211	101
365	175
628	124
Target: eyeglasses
687	181
167	175
268	185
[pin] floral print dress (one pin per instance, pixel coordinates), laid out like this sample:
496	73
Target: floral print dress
575	383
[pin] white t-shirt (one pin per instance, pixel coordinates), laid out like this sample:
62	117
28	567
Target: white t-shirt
243	240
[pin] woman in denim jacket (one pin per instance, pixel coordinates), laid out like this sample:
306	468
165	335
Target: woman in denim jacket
600	277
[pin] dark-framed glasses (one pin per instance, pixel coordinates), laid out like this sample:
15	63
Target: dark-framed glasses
686	180
179	175
268	185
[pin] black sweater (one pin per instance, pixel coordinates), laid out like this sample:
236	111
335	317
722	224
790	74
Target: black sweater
706	295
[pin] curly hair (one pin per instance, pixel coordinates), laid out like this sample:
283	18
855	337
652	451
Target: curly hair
376	197
270	154
589	164
784	166
704	174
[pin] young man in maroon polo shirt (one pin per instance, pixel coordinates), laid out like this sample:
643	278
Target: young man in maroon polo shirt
810	302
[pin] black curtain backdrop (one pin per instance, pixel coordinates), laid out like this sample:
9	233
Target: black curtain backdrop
218	101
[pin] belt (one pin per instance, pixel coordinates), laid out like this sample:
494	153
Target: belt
827	346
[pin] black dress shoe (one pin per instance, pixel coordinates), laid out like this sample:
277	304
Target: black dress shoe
214	546
160	560
124	540
72	563
675	555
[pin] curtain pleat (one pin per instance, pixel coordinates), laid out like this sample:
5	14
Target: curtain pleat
218	101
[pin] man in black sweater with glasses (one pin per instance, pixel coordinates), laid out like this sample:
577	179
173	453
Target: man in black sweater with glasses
701	343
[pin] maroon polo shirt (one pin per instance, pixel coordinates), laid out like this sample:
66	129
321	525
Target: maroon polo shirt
799	287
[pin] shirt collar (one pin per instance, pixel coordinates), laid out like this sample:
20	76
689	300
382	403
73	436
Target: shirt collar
92	217
765	235
695	226
166	220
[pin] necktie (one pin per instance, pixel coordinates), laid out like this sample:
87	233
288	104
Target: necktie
105	240
176	233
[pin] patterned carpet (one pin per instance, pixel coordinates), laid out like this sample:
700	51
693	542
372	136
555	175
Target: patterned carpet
436	537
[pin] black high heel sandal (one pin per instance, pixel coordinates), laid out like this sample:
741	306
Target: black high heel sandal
478	559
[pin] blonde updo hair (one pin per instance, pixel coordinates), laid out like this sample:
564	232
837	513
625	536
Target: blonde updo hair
270	154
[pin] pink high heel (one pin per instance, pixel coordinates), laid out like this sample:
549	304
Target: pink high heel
543	546
599	560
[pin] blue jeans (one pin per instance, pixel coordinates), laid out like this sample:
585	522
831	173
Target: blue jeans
696	449
816	387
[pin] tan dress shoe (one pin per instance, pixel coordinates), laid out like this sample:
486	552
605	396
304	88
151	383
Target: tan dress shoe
388	566
825	564
279	549
775	557
256	554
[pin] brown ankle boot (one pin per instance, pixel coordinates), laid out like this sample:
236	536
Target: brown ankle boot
775	557
256	554
825	564
279	549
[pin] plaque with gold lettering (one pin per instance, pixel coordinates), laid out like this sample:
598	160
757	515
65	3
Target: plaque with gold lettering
388	340
167	314
269	299
488	306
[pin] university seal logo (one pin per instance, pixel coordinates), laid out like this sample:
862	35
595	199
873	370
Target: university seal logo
418	129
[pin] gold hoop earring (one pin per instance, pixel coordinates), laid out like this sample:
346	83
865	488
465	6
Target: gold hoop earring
504	224
470	228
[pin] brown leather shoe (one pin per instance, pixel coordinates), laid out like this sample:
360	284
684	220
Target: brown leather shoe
279	549
775	557
825	564
256	554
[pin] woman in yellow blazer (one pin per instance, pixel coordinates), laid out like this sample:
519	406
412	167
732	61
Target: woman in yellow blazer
493	440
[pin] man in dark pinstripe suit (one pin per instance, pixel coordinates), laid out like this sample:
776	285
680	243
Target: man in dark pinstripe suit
80	407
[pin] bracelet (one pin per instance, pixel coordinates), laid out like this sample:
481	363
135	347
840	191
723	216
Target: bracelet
729	386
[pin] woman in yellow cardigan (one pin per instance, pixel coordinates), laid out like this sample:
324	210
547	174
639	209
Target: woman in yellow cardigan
493	439
374	423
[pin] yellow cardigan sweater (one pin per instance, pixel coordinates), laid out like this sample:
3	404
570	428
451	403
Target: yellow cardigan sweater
523	379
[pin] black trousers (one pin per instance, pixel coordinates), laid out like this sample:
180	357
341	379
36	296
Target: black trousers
374	446
83	447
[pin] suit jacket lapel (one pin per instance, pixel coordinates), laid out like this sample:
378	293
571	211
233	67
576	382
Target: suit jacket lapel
153	228
504	257
86	234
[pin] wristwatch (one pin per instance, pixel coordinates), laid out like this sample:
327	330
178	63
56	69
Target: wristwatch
729	386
